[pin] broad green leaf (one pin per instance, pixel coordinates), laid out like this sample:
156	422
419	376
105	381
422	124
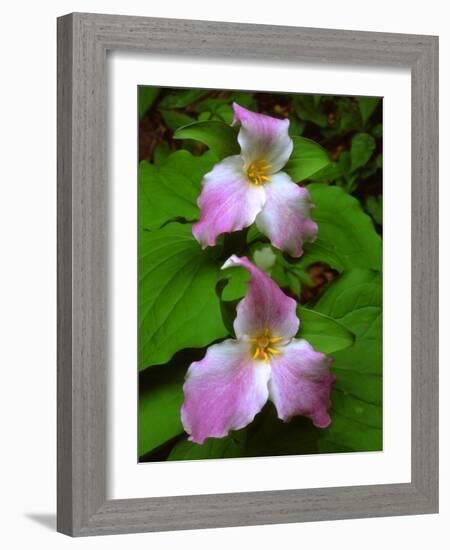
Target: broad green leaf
178	305
362	147
218	136
347	238
147	96
324	333
169	190
355	300
161	152
334	170
160	400
231	446
367	106
307	158
175	120
182	98
374	205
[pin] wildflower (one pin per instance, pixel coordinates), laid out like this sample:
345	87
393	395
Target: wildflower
230	385
250	187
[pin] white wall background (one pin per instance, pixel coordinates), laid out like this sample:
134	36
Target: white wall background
27	289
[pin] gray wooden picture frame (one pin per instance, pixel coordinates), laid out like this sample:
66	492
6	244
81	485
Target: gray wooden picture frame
83	41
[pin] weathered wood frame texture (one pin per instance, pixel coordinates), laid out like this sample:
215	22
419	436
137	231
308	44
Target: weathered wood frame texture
83	41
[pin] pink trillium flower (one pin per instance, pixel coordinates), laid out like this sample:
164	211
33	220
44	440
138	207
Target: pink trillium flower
250	187
230	385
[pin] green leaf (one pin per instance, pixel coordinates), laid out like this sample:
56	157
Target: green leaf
324	333
377	130
349	116
374	205
175	120
218	136
244	99
287	274
367	106
215	109
231	289
231	446
176	294
362	147
169	190
296	126
182	98
355	300
160	400
307	158
254	235
335	170
147	96
347	238
236	286
307	108
161	152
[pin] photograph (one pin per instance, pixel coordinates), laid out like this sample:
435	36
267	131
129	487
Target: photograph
260	274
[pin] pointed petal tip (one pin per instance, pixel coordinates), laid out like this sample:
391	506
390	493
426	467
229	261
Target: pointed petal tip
199	237
234	261
264	306
236	111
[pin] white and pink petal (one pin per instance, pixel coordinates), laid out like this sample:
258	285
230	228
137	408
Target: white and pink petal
228	201
300	383
285	218
265	306
224	391
263	138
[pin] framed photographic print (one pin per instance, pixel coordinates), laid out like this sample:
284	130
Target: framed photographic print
247	274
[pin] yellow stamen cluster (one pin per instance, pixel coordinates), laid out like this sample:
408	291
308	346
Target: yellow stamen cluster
257	172
265	345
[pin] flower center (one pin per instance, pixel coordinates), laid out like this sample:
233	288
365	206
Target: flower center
265	345
257	172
